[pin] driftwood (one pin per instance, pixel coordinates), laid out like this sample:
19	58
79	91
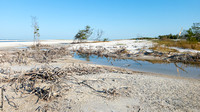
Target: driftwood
41	55
110	91
180	68
29	82
11	103
2	89
48	82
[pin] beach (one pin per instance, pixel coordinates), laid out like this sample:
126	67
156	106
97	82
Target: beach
16	43
75	85
99	56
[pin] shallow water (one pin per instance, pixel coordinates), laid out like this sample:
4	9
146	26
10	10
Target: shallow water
163	68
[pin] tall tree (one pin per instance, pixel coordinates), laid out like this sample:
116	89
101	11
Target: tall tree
35	30
196	28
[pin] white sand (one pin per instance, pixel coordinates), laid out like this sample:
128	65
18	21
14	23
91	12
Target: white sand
23	44
185	50
133	45
138	92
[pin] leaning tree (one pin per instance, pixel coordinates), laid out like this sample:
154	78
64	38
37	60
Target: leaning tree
83	34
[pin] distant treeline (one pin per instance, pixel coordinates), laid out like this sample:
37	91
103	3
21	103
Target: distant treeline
192	34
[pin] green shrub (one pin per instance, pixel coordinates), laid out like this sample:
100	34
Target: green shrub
83	34
170	36
105	39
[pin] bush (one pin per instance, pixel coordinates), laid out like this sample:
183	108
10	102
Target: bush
83	34
105	39
193	33
192	39
170	36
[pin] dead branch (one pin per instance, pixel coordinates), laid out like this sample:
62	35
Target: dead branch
2	89
11	103
180	68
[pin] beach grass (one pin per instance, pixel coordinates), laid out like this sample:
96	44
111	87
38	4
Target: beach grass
162	48
180	44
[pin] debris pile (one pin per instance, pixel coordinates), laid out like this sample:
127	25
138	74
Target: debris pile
19	57
185	58
123	53
47	55
81	69
43	82
43	55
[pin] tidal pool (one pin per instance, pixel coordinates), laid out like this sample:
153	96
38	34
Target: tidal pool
178	69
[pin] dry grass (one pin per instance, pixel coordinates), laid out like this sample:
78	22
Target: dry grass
180	44
162	49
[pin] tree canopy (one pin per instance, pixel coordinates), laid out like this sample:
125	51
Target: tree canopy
83	34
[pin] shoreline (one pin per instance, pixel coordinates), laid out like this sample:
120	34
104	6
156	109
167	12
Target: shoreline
65	83
63	43
145	73
25	44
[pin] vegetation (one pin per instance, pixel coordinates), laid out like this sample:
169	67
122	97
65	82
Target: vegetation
99	35
181	44
35	30
83	34
170	36
105	39
189	39
191	35
163	49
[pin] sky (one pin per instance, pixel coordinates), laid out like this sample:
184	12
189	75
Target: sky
119	19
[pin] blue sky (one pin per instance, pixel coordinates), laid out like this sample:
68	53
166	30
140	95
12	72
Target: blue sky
119	19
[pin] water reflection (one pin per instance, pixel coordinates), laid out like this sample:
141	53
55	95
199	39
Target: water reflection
85	56
176	69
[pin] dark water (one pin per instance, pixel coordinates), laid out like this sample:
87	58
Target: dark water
189	71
